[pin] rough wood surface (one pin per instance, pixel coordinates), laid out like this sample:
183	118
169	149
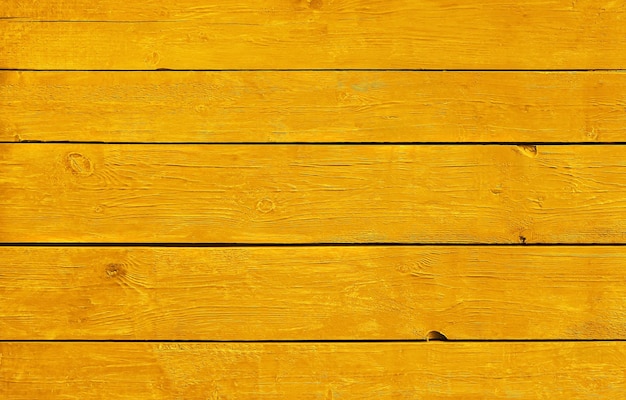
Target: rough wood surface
228	34
312	194
431	370
119	304
318	293
313	106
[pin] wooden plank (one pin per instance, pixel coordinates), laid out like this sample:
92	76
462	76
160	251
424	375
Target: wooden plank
312	293
312	107
312	193
420	34
431	370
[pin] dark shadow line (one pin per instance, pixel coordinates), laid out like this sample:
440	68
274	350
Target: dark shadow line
336	143
315	70
91	21
308	341
322	244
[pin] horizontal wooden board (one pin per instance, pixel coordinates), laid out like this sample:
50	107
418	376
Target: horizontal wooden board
431	370
194	34
313	106
312	293
312	193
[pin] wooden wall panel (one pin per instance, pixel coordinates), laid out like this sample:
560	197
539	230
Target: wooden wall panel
313	106
312	34
313	371
282	198
312	194
312	293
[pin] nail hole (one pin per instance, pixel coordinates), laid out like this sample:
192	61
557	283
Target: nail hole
435	335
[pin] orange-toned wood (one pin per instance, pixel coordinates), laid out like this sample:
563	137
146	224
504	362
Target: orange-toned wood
313	106
312	71
432	370
312	293
304	34
312	193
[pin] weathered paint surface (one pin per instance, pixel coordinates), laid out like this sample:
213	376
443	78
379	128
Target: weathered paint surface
313	106
313	193
312	293
303	34
428	146
432	370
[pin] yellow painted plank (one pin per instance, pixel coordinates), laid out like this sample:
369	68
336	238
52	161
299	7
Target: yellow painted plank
312	293
312	193
312	106
433	370
236	34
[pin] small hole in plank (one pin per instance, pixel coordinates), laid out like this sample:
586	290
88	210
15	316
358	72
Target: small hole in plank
435	335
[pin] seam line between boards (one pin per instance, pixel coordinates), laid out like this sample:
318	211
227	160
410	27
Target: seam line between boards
303	245
417	70
521	143
312	341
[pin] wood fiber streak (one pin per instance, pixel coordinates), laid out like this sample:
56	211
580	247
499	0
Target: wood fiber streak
312	194
312	107
431	370
318	293
304	34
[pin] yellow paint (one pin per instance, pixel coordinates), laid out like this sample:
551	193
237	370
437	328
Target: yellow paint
284	71
312	194
302	34
278	293
307	106
432	370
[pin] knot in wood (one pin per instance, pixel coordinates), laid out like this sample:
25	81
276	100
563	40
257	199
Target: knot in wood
79	164
115	270
265	206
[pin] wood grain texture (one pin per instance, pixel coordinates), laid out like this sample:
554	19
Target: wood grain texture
313	106
312	194
313	371
319	293
191	34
